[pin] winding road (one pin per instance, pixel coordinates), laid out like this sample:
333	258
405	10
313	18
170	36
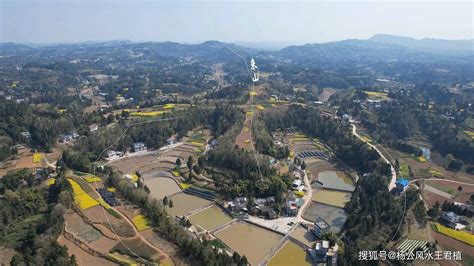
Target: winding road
391	185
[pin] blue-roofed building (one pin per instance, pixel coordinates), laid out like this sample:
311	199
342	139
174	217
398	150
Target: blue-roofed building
402	184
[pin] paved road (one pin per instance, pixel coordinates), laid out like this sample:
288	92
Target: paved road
391	185
307	198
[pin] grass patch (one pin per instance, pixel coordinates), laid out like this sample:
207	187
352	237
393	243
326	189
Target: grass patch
114	213
217	243
404	171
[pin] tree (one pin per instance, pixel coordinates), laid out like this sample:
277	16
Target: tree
165	201
178	162
303	165
190	162
170	204
434	212
460	188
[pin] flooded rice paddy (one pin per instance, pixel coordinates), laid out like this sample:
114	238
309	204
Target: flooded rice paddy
210	218
290	254
331	197
336	180
249	240
184	204
161	187
334	216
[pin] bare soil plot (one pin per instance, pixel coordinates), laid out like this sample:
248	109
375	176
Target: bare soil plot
137	247
453	244
99	215
76	225
243	139
184	204
252	241
161	187
210	218
6	255
334	216
331	197
103	244
290	254
129	165
169	248
82	257
304	236
453	189
431	198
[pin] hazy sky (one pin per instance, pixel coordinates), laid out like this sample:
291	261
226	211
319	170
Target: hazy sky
256	21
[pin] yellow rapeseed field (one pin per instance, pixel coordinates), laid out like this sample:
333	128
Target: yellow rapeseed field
81	198
253	93
37	157
151	113
462	236
259	107
92	179
51	181
141	222
184	185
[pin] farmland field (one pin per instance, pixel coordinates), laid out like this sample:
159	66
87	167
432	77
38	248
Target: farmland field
290	254
161	187
184	204
249	240
462	236
336	180
303	235
331	197
334	216
210	218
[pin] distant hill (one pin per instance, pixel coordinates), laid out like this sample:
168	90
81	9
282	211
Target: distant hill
426	44
13	47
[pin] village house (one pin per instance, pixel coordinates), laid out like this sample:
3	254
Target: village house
139	147
93	127
323	254
321	227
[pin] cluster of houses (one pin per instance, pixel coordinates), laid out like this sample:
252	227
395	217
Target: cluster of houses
263	207
454	221
65	138
323	253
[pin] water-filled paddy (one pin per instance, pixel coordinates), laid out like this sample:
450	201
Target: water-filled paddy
210	218
332	197
249	240
161	187
290	254
334	216
184	204
336	180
